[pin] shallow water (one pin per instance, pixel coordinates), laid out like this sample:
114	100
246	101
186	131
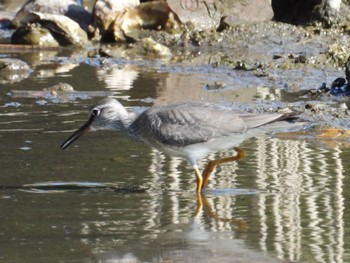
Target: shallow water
106	199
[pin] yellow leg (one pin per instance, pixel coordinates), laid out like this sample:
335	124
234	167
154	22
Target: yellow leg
212	164
199	178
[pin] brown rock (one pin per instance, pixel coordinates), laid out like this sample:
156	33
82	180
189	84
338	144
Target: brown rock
106	11
204	14
155	15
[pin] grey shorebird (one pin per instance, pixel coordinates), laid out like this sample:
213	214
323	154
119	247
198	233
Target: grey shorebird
186	129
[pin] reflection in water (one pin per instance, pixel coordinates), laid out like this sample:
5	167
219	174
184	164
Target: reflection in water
304	216
300	206
168	88
203	206
117	77
285	201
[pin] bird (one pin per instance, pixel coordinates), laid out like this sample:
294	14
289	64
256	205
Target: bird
190	130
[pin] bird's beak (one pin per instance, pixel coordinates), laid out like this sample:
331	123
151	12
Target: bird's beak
77	134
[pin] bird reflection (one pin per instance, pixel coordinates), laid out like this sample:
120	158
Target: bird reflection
204	206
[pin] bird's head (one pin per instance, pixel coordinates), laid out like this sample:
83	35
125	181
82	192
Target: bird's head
107	114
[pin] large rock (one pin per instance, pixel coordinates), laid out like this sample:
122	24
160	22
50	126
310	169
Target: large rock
106	11
155	15
207	13
68	8
40	29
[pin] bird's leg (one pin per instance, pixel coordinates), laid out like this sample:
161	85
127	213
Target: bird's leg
212	164
199	178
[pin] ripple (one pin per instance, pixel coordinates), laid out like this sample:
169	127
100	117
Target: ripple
234	191
63	187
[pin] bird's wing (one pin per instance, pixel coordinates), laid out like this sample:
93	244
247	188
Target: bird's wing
188	123
253	120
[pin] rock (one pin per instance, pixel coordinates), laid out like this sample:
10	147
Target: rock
316	107
217	85
61	86
152	48
338	52
64	30
146	47
68	8
13	70
207	14
155	15
34	34
106	11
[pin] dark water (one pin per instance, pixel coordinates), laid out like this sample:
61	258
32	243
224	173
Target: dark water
107	199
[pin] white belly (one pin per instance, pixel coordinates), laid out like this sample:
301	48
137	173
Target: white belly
192	153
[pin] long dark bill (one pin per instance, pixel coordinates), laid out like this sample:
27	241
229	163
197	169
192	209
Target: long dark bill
77	134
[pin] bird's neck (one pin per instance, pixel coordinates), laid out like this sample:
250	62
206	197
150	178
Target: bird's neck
132	132
123	123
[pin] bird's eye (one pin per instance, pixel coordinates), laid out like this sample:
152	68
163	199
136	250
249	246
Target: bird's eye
95	112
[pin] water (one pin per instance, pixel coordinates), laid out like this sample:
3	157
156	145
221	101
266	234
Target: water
106	199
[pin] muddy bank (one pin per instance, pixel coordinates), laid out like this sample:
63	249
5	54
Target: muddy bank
292	59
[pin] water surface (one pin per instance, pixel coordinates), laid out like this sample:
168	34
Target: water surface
107	199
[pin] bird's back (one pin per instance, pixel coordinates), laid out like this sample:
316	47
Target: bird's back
186	123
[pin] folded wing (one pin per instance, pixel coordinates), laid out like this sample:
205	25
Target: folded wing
189	123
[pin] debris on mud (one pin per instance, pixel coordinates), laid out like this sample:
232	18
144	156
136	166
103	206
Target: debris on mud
339	88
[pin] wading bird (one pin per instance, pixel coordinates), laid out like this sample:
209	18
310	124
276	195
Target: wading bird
186	129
